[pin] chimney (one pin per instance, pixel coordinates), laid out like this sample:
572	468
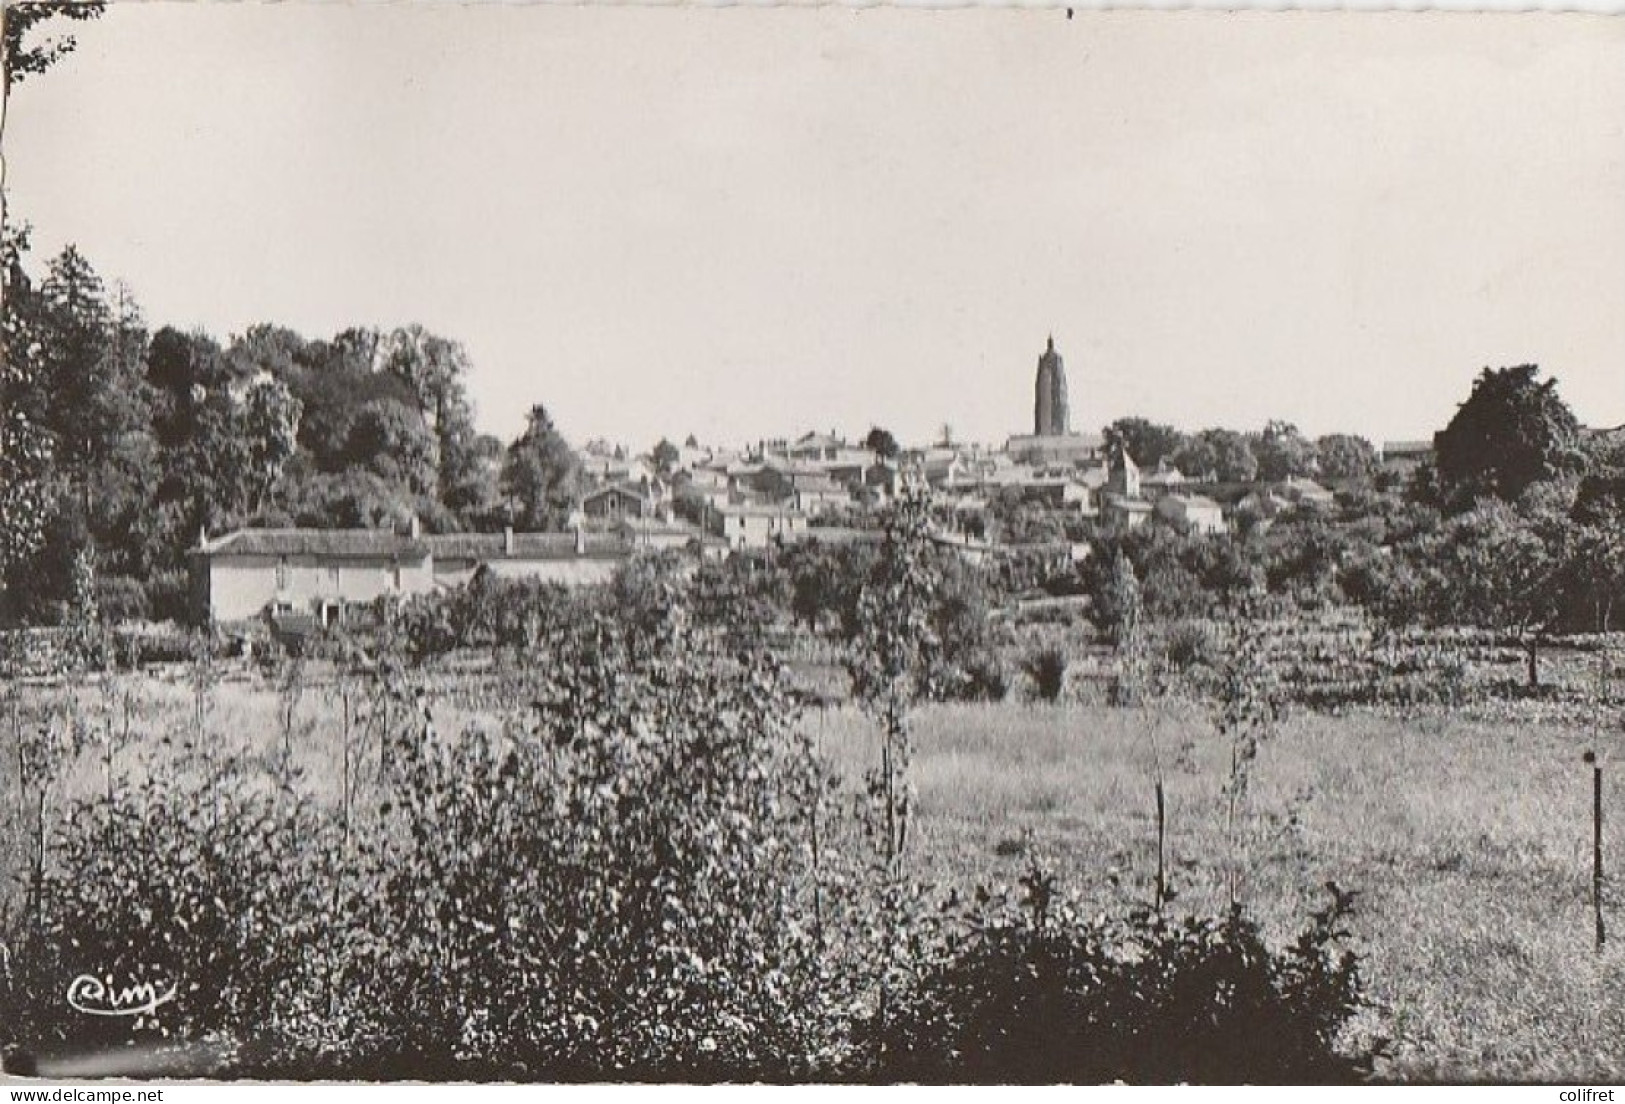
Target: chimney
581	542
415	528
507	540
203	536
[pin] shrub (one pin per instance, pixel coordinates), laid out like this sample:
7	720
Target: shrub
1047	668
1189	648
121	599
986	677
1032	993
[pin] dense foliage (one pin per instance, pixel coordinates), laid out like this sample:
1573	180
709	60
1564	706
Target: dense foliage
127	442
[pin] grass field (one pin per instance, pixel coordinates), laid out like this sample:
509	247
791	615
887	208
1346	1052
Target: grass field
1469	843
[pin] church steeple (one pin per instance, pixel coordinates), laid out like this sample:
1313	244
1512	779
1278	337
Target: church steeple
1050	417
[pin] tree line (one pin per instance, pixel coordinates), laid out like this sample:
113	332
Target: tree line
122	443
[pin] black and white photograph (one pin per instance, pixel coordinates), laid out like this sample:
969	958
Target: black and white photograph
838	545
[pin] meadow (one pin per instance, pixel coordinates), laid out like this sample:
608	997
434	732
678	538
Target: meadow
1468	841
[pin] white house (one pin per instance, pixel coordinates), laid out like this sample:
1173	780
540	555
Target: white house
1194	512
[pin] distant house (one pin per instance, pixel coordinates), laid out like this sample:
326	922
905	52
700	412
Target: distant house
599	468
1124	513
1306	492
949	472
815	493
1166	479
1264	504
1068	448
882	481
646	498
754	526
1121	505
321	574
970	549
816	446
251	572
1194	512
1057	493
1403	456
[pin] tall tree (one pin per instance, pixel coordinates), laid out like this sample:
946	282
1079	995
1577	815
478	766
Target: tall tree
436	369
881	443
1500	570
1345	456
1283	452
268	427
26	455
1512	430
665	456
542	474
1219	454
25	52
1148	442
392	441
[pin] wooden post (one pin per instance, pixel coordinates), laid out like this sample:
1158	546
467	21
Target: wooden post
1162	877
1596	845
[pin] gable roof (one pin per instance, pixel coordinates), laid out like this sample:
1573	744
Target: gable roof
331	543
626	489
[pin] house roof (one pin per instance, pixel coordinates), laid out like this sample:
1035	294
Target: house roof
630	490
526	546
332	543
1200	502
818	440
1406	448
816	482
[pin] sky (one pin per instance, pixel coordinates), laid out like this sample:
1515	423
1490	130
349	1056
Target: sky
747	223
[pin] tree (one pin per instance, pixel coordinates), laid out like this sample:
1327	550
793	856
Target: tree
1594	571
1115	606
1222	455
471	484
23	55
1345	456
1513	430
1283	452
392	441
1149	443
891	660
665	456
22	60
268	421
542	473
27	460
881	442
1499	570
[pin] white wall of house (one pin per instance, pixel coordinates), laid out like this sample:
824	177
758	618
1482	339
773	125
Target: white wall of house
240	587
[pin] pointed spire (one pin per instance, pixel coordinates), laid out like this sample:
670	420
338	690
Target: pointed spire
1051	345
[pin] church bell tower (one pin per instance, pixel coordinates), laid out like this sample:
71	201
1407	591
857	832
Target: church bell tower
1049	410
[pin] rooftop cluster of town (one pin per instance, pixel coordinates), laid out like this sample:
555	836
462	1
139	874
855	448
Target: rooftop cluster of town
715	501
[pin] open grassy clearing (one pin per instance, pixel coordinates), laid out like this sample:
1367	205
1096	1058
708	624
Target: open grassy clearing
1468	840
